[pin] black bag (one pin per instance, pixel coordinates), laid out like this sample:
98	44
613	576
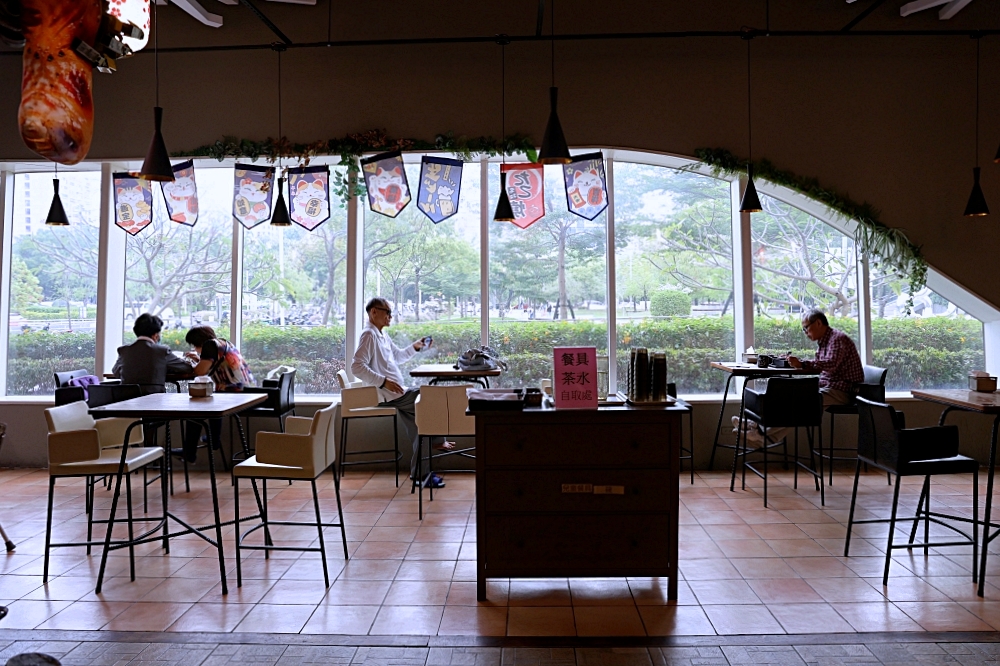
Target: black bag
480	358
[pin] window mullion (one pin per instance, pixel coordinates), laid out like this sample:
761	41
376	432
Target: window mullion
611	294
7	235
484	251
110	279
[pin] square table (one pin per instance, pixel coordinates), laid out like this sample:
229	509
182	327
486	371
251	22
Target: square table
980	403
167	407
447	372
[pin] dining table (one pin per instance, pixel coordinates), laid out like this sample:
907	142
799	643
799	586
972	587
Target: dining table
447	372
163	408
977	402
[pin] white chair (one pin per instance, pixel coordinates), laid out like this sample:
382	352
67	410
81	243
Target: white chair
303	452
361	402
440	412
79	446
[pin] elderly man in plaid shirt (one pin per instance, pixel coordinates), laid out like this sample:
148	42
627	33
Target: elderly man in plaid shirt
837	360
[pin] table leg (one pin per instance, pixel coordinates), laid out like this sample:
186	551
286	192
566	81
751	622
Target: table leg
215	506
718	428
740	430
114	507
985	544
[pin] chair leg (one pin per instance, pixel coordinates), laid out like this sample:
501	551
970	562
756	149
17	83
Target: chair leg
920	508
975	522
128	513
691	439
343	444
766	438
340	510
417	482
145	500
48	530
164	500
927	518
236	532
892	529
187	479
90	513
833	420
319	528
850	515
395	446
263	488
795	464
822	488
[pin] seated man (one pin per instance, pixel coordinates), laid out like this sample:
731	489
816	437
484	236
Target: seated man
376	363
837	360
146	362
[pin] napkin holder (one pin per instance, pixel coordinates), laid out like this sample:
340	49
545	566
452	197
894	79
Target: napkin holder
982	384
201	389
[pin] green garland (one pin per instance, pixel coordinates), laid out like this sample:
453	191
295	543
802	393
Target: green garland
875	239
353	146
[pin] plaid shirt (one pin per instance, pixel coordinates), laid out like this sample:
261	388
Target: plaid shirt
838	361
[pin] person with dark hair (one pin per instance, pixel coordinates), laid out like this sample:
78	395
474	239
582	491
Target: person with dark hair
376	363
837	360
222	361
146	362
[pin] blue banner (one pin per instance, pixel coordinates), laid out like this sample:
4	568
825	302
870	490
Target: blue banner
440	187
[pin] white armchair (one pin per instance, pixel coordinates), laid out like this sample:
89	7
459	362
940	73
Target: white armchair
361	402
79	446
440	412
303	452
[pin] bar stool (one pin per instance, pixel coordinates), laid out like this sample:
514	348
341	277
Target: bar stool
687	453
873	388
361	402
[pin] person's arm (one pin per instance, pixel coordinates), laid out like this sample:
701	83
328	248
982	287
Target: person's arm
209	353
117	369
177	365
404	354
828	359
361	365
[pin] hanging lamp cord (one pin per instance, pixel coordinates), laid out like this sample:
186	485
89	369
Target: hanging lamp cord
552	42
749	114
156	53
977	100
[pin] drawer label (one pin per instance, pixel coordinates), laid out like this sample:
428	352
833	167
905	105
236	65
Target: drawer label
578	488
609	490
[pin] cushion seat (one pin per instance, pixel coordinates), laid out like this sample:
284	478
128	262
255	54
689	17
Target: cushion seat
252	468
952	465
137	458
367	412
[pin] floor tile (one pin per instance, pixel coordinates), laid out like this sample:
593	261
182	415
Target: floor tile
148	616
276	618
817	618
676	621
211	617
608	621
875	616
540	621
462	621
743	620
403	620
351	620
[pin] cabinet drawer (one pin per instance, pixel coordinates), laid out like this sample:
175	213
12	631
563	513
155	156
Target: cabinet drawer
580	542
572	491
618	445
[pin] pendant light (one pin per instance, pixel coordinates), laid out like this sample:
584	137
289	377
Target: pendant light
57	214
156	166
554	149
504	212
977	202
279	216
751	202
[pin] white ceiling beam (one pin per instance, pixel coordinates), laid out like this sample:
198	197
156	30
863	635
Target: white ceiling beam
193	8
952	8
920	5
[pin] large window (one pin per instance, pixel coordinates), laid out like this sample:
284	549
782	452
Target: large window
799	263
294	293
674	271
547	284
53	300
428	272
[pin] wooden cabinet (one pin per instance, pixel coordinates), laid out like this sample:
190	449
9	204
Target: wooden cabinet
577	493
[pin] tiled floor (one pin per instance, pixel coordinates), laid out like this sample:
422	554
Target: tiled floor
745	569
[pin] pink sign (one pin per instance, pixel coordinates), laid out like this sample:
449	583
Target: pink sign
575	381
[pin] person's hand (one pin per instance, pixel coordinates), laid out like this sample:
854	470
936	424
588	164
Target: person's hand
794	362
418	345
192	356
392	387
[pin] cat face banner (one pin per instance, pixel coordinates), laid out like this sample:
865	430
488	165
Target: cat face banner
586	185
385	178
440	186
252	190
133	202
309	195
181	196
526	189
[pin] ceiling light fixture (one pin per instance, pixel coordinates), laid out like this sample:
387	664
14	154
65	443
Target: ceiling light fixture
156	166
57	214
554	149
504	212
751	202
279	217
977	202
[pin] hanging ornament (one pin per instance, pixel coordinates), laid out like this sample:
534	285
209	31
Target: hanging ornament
133	202
385	178
181	195
586	185
440	186
526	190
309	193
252	190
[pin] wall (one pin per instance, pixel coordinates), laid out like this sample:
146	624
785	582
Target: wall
887	120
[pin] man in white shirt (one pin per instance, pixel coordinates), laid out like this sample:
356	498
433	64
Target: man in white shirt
376	363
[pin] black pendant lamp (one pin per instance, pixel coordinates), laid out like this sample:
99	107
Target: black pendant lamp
156	166
750	202
57	214
554	149
279	216
977	202
504	212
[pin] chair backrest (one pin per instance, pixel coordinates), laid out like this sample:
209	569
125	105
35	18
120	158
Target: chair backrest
286	391
441	410
73	416
62	378
672	389
358	397
68	394
345	381
878	440
792	402
105	394
875	375
324	440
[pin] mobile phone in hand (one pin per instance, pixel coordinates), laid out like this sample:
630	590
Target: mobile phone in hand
428	340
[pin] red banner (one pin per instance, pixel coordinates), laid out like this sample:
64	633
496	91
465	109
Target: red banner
526	189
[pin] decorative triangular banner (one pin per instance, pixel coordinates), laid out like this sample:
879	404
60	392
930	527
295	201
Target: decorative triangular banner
309	195
252	190
440	187
181	196
526	189
133	202
586	185
385	178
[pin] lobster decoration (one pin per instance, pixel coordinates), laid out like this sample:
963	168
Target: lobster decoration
63	41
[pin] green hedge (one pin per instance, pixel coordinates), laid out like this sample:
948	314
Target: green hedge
670	303
920	353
